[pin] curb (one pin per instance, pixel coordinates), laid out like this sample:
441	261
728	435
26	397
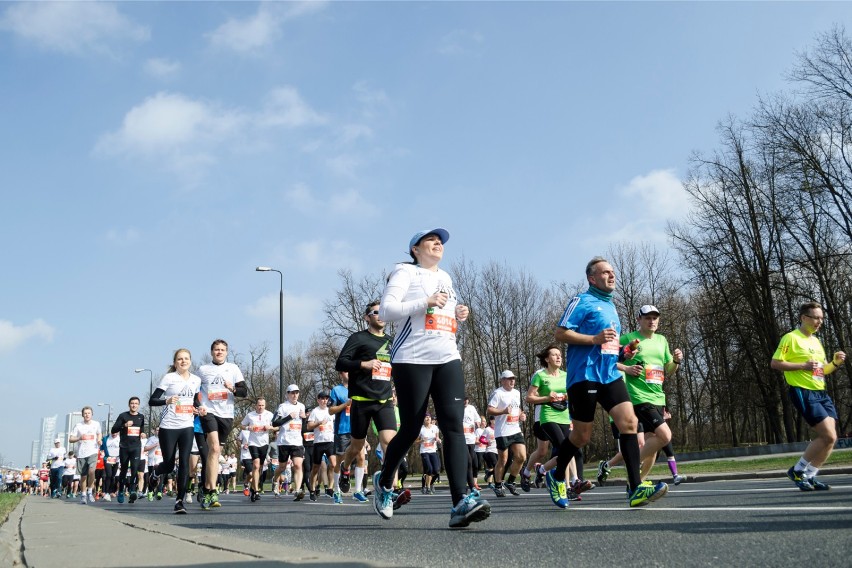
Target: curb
10	537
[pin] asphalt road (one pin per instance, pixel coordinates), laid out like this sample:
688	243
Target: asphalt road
725	523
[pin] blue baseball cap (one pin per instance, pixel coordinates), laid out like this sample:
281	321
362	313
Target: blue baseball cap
442	234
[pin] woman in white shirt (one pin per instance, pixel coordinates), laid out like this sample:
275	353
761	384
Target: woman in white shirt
419	298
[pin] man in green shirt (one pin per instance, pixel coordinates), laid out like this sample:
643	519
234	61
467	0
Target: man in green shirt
645	370
801	358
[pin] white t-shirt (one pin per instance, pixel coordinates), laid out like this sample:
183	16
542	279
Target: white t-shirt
244	451
492	440
423	335
290	434
155	454
324	432
214	396
113	445
480	447
506	424
181	415
471	416
232	464
258	428
70	466
59	454
428	439
89	436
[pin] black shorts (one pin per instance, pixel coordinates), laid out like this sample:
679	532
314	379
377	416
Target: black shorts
583	398
247	465
341	441
650	416
287	452
212	423
814	406
319	450
362	411
258	453
503	442
538	432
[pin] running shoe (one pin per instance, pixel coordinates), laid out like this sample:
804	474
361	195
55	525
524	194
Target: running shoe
819	485
513	489
471	509
525	482
91	497
252	496
83	499
338	498
801	481
300	494
179	508
647	492
678	479
581	486
276	493
539	477
558	492
150	496
206	501
314	495
499	490
359	496
367	492
189	497
159	495
573	496
344	481
424	490
246	492
107	497
431	490
382	498
120	497
133	496
400	498
329	492
214	500
603	472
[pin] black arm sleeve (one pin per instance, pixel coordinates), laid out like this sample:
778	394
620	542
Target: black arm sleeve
157	398
347	360
119	424
241	389
281	420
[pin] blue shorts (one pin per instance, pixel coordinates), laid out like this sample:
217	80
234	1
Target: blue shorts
815	406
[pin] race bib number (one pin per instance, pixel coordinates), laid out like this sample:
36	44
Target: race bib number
295	425
610	347
429	444
133	430
87	437
818	372
440	323
112	460
383	373
348	408
158	452
183	409
258	428
217	395
327	427
514	416
468	429
654	374
308	436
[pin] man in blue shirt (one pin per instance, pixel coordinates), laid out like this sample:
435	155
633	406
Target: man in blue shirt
340	405
591	328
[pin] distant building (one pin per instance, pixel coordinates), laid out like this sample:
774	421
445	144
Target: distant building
35	453
71	420
48	434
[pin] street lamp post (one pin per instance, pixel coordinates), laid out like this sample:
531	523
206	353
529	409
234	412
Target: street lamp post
150	393
109	413
280	332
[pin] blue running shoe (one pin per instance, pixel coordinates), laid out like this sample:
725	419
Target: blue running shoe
338	498
557	490
818	485
800	480
120	497
646	493
471	509
382	498
359	496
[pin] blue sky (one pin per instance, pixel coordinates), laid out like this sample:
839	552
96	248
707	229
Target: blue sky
154	153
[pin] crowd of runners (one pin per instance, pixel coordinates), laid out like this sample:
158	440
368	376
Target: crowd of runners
389	381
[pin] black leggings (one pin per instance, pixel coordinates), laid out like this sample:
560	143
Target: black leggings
558	432
172	441
203	450
472	465
414	384
128	456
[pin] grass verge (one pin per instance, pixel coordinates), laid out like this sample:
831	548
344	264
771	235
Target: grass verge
8	502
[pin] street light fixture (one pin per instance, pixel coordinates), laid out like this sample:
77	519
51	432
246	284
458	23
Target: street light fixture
280	332
109	413
150	393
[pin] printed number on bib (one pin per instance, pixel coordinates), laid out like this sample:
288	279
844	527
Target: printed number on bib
383	373
818	372
610	347
514	416
436	323
468	429
87	437
654	374
429	444
295	425
308	436
258	428
133	430
217	395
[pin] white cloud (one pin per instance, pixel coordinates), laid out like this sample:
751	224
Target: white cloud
459	42
12	336
285	107
261	29
72	27
122	236
305	201
345	165
352	132
162	68
300	310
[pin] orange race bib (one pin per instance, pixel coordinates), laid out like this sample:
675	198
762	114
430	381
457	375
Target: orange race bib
654	374
112	460
818	372
514	416
328	426
440	323
183	409
133	430
308	436
258	428
468	429
295	425
87	437
383	373
348	408
611	347
217	395
429	444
